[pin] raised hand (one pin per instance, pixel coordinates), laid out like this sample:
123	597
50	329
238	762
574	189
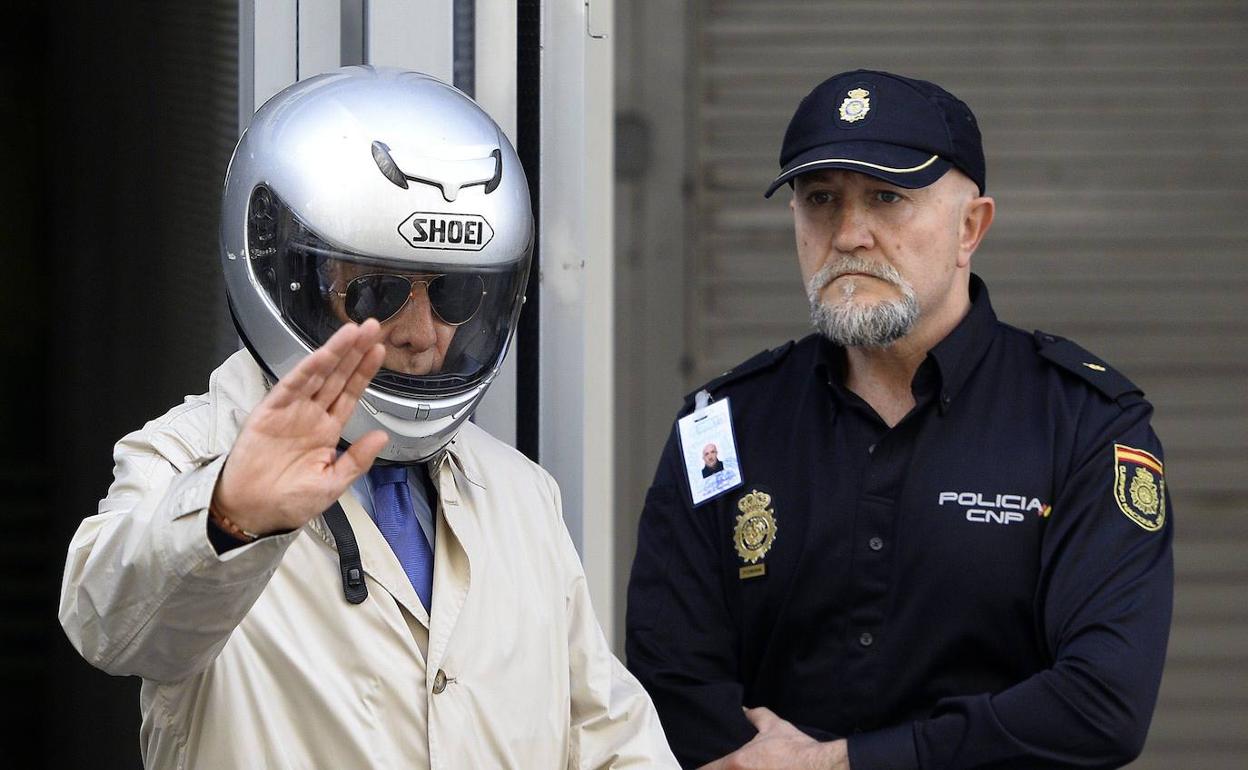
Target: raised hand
284	468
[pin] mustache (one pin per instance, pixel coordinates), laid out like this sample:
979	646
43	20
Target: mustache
849	264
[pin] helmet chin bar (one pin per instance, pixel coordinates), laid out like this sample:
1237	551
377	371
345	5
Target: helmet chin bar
416	438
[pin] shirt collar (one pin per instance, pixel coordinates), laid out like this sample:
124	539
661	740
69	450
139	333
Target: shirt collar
954	358
830	366
958	354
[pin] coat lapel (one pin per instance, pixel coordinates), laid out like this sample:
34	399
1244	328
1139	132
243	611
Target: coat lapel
457	538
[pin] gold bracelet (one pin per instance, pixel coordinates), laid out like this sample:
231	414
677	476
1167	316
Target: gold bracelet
232	529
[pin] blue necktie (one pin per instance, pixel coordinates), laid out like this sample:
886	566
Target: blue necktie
396	518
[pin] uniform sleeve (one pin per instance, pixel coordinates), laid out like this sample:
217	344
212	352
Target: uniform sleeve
1103	609
681	641
144	592
613	721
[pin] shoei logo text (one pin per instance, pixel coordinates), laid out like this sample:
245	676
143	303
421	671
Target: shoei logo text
984	508
458	232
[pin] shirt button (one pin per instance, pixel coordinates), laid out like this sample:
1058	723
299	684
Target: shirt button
439	682
866	639
875	543
871	449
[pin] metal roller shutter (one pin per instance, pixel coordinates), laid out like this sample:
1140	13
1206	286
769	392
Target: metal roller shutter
1115	135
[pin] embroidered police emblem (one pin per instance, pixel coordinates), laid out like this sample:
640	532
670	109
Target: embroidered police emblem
1140	487
856	105
756	529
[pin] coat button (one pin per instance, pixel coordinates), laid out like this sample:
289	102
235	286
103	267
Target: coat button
875	543
866	639
439	682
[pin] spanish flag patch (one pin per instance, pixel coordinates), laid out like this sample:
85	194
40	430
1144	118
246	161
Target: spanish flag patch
1140	486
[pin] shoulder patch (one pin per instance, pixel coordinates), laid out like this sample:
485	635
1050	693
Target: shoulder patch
761	362
1143	497
1082	364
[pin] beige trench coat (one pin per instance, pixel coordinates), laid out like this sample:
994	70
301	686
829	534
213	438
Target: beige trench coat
255	660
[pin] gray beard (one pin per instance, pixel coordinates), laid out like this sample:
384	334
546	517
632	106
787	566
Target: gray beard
851	325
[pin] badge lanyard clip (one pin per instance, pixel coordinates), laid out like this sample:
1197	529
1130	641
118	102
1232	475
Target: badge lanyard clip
701	400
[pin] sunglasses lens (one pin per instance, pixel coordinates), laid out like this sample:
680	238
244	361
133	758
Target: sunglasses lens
456	297
376	296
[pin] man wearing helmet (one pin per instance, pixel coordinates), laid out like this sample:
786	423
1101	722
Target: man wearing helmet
319	562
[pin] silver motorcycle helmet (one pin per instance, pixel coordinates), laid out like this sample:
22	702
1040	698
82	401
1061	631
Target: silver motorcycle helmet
372	192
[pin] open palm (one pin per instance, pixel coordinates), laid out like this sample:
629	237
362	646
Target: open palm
284	467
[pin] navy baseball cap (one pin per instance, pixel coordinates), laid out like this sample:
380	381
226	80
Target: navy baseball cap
907	132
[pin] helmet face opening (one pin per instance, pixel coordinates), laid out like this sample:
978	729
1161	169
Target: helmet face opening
445	324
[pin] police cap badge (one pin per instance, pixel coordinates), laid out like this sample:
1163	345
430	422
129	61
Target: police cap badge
856	105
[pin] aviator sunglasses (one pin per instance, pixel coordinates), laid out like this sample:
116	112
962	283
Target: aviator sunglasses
454	297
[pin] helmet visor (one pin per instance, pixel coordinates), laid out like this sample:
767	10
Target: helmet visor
445	324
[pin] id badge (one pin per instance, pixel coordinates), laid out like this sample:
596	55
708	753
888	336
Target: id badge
710	451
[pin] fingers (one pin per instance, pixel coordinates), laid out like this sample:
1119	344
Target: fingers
762	718
358	458
347	364
310	375
302	381
365	369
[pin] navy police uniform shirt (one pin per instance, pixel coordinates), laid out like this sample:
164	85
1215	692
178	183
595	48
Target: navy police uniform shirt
986	584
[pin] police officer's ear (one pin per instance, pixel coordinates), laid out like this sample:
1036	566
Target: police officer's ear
976	217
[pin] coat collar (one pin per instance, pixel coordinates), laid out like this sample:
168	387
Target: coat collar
462	460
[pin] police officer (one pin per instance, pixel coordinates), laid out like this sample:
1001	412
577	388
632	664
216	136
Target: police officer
950	544
320	562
